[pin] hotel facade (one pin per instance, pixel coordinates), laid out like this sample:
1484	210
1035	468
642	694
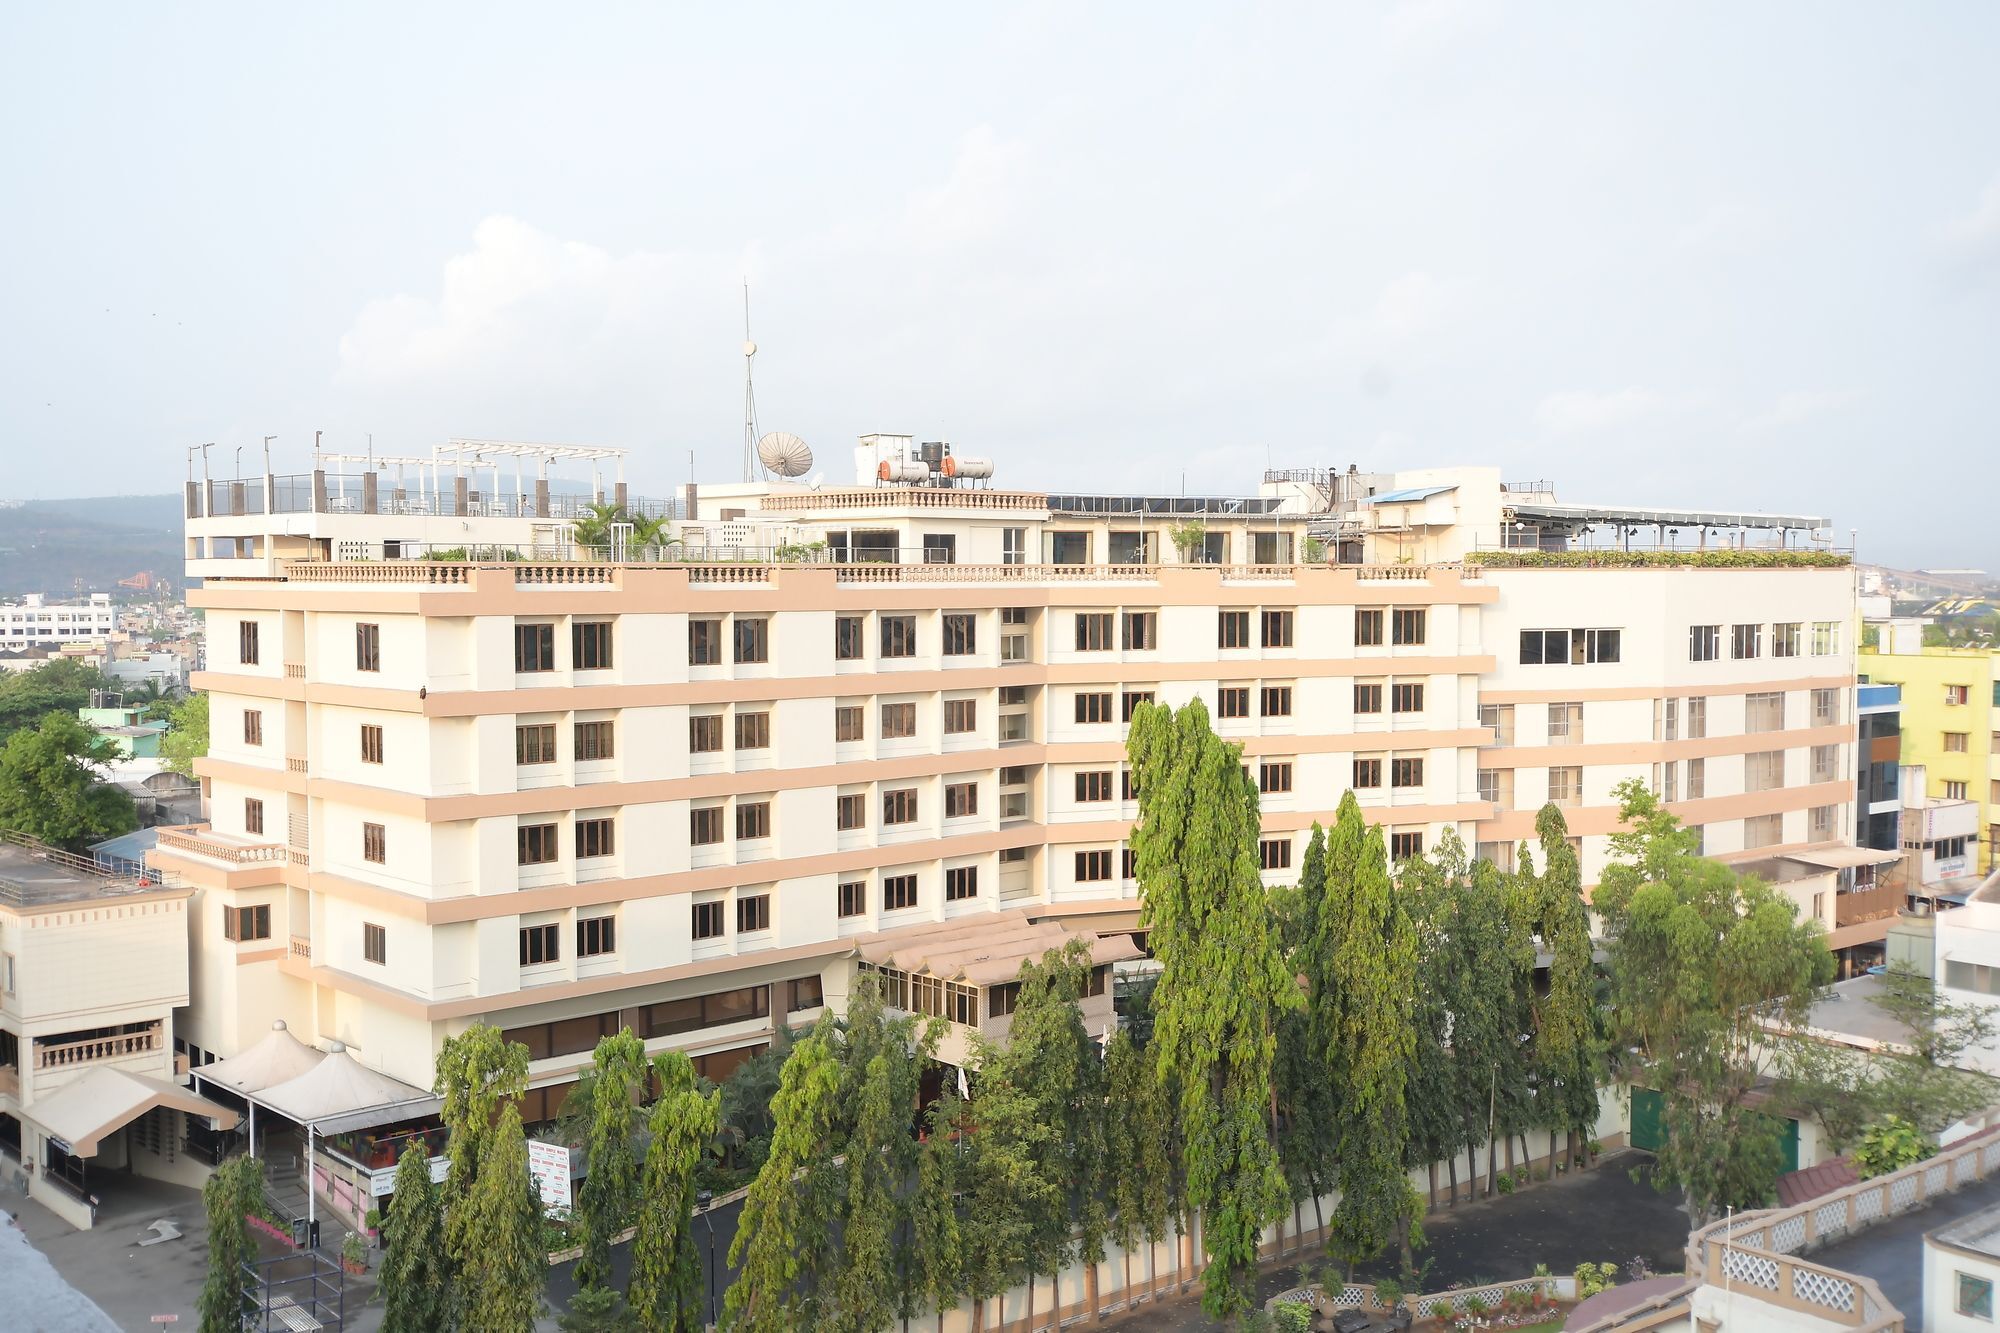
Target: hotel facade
463	770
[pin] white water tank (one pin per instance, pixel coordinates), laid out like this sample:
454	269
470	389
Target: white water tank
902	470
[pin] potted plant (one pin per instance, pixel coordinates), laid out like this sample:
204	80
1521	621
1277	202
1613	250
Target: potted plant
354	1253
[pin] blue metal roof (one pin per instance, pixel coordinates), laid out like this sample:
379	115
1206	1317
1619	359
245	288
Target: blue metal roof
1404	496
131	846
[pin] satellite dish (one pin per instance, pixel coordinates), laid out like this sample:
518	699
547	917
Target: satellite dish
749	348
784	454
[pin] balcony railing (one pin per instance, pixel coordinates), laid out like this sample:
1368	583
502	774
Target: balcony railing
302	947
1884	900
196	838
90	1050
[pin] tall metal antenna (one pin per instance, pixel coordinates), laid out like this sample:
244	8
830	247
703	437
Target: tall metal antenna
749	393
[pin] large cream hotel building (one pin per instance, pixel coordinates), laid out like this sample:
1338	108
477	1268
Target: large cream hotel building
464	771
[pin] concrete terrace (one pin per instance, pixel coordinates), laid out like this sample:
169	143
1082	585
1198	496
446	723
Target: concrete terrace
1892	1251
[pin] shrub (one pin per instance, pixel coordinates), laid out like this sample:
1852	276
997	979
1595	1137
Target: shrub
1292	1317
1388	1292
1726	558
1891	1145
1505	1184
1592	1278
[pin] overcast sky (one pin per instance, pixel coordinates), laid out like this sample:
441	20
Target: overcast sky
1731	254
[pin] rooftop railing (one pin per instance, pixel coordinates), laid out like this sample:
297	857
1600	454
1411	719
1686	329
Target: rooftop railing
571	573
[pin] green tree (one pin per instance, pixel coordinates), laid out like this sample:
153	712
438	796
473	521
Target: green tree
1566	1052
1922	1078
936	1276
415	1281
1223	985
186	738
234	1191
1304	1080
1490	985
784	1232
51	789
506	1265
1141	1144
61	686
1006	1191
1433	885
598	1310
611	1188
665	1292
595	529
477	1072
1374	971
1703	963
1890	1146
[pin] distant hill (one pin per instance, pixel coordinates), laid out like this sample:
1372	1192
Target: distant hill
61	547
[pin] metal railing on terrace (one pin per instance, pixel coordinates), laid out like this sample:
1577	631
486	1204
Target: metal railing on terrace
351	493
530	571
33	874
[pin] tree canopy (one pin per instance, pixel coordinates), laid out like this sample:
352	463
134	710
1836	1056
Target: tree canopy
52	787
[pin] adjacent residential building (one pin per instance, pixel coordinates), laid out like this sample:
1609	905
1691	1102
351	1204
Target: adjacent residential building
465	769
35	621
1951	719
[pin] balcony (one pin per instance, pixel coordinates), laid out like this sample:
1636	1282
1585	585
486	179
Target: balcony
302	947
91	1050
1851	909
200	840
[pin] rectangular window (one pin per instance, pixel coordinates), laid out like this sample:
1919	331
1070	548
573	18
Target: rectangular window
1543	646
1763	831
1704	643
851	898
535	743
1232	629
1403	846
1093	631
899	806
1406	698
1602	645
960	883
253	727
961	799
1697	717
1002	999
1277	629
1974	1296
590	645
1367	697
539	944
705	734
1142	631
1825	638
709	921
246	642
850	811
1274	853
1013	546
1368	773
371	743
253	815
753	639
1697	779
367	647
374	844
1666	719
1565	724
753	731
534	648
595	837
847	638
1406	772
1093	707
1554	647
960	716
1495	785
535	845
1787	639
594	741
804	993
1820	823
899	636
1275	701
1013	615
898	892
1232	701
753	820
1128	786
1746	641
899	721
1130	700
1093	867
1825	763
374	944
705	825
1955	742
1954	791
704	643
1566	785
1500	717
1957	694
753	913
1274	777
1408	626
1764	711
1094	785
596	935
1128	863
1367	627
961	634
1826	708
849	723
246	923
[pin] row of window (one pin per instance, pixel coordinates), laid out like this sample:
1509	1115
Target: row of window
1747	641
589	646
668	1018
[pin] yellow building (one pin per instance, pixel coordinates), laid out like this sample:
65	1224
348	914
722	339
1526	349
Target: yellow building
1951	719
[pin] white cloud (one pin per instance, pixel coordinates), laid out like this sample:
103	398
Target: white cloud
1975	236
1582	411
979	199
1792	409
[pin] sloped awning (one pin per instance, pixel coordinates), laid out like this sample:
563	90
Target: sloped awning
985	950
1843	858
278	1058
339	1094
80	1114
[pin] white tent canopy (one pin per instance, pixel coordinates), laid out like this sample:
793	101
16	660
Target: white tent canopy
339	1093
278	1058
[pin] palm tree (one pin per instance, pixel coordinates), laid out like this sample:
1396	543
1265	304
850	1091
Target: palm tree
594	529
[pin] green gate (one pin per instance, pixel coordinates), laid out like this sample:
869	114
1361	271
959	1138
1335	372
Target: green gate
1649	1121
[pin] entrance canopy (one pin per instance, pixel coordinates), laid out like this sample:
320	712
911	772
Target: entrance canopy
984	950
339	1094
79	1115
278	1058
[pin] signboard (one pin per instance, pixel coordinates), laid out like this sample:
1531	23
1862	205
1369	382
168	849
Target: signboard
548	1163
383	1182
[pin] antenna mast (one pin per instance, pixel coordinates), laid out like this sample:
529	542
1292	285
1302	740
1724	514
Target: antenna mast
749	393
